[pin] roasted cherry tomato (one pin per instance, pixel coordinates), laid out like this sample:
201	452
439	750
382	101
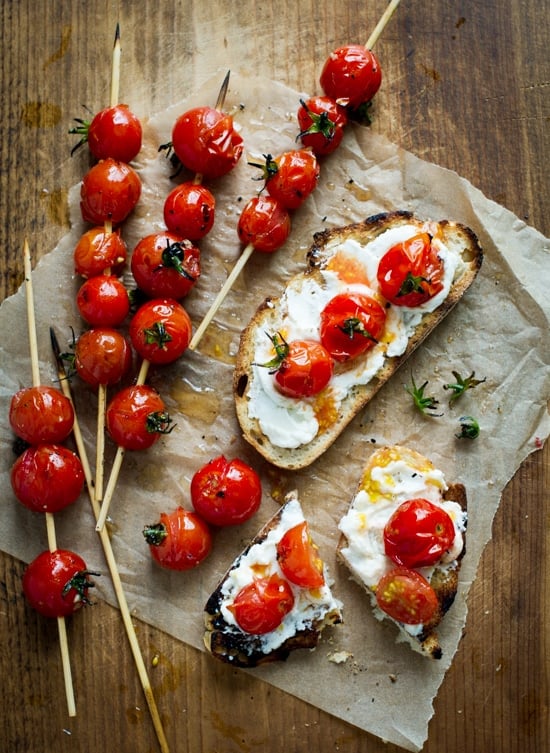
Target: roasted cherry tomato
298	558
351	75
115	132
418	533
351	324
165	265
160	330
41	415
189	210
265	223
47	478
302	367
226	492
98	251
103	301
56	583
290	177
136	417
410	273
406	596
261	606
102	356
180	541
322	122
205	142
109	192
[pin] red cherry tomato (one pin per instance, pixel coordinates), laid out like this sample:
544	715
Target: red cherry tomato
109	192
410	273
406	596
418	534
351	75
103	301
205	142
115	132
180	541
226	492
136	417
98	251
351	324
160	330
165	265
265	223
41	415
47	478
291	177
298	558
305	368
322	122
56	583
189	210
102	356
261	606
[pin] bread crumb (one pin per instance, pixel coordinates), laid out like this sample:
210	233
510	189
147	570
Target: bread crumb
339	657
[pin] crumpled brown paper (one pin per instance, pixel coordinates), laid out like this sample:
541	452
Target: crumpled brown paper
500	330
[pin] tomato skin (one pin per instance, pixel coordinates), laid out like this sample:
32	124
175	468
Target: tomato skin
47	478
103	301
98	251
205	142
190	210
165	265
226	492
410	273
265	223
292	176
406	596
103	356
160	330
110	191
136	417
351	75
351	324
41	415
56	583
305	371
298	558
115	132
180	541
261	606
418	534
322	124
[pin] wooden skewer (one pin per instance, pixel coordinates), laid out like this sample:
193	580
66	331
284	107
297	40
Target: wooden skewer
50	523
379	28
115	69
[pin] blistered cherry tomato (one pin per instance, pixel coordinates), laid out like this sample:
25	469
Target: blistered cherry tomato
410	273
41	415
102	356
136	417
351	75
110	191
406	596
103	301
180	541
160	330
98	251
205	142
189	210
298	558
56	583
305	367
165	265
322	123
290	177
261	606
47	478
351	324
115	132
226	492
418	533
265	223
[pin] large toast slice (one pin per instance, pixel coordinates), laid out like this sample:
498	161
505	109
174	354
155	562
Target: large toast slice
290	432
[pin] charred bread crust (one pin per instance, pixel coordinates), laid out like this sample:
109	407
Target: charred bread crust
360	395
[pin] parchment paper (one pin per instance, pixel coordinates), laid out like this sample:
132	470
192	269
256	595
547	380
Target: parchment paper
500	330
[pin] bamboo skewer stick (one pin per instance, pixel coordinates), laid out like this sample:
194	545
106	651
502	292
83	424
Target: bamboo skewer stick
380	26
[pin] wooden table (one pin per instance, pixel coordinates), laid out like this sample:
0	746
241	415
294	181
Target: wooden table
466	85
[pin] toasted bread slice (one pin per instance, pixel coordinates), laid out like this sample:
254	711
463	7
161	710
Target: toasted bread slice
313	609
391	476
291	433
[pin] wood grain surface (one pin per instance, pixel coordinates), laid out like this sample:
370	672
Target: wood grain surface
466	85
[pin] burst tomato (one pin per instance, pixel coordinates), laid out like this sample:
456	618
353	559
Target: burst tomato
265	223
41	415
180	541
115	132
302	367
226	492
298	558
98	251
290	177
261	606
189	210
410	273
56	583
103	301
160	330
102	356
351	75
165	265
47	478
322	123
109	192
406	596
418	533
136	417
351	324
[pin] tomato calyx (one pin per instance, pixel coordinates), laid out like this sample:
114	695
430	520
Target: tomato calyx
354	326
155	534
320	123
81	584
172	157
413	284
281	348
173	257
157	335
269	168
81	129
159	422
